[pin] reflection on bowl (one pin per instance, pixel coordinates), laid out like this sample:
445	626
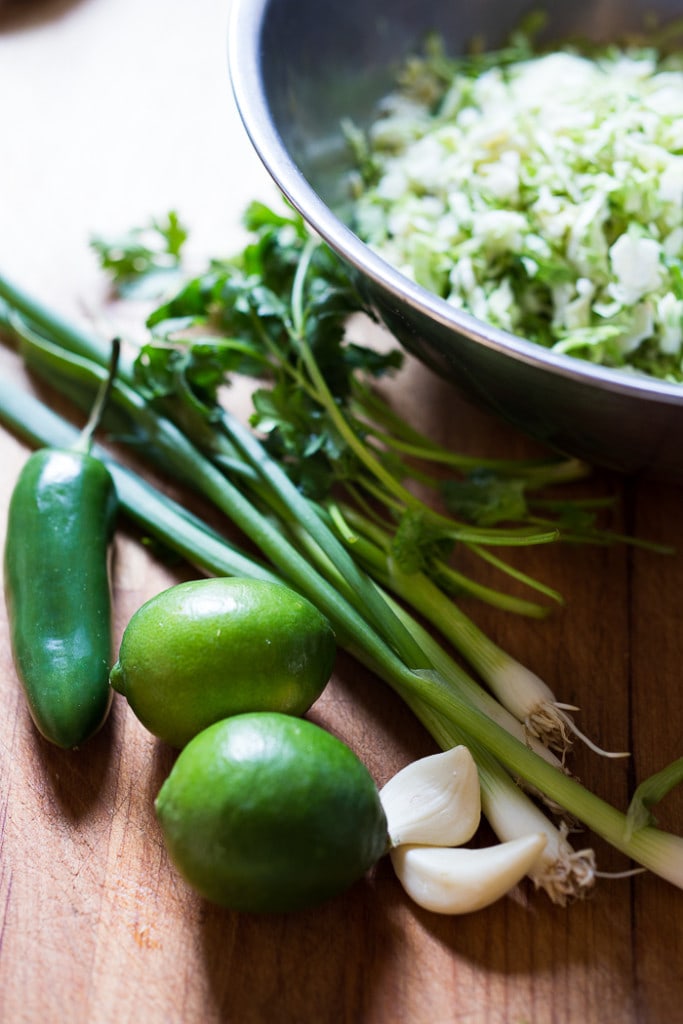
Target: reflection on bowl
298	68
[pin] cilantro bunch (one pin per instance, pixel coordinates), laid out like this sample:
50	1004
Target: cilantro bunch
279	313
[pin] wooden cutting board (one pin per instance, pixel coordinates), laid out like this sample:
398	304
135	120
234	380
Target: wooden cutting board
115	111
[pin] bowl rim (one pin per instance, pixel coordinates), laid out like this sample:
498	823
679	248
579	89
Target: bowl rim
246	24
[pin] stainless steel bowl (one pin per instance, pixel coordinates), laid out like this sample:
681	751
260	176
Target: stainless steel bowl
298	67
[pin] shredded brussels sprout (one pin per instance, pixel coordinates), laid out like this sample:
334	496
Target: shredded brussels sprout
543	194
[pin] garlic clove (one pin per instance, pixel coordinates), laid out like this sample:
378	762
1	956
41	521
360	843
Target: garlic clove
458	881
435	801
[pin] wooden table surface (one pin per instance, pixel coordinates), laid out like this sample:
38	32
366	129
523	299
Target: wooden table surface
114	111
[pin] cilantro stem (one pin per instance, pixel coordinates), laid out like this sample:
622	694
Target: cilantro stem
361	452
298	286
404	438
488	556
450	580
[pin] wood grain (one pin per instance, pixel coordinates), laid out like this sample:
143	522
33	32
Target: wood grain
119	111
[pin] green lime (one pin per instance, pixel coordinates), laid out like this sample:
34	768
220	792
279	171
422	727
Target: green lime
269	813
201	651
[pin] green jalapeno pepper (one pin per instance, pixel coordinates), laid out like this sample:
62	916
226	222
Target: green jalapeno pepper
57	587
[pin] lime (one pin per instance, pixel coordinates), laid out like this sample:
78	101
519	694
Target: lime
265	812
201	651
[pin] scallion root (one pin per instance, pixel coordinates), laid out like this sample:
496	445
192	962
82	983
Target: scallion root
550	723
566	874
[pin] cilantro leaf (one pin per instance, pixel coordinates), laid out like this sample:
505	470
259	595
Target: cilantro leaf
485	499
143	262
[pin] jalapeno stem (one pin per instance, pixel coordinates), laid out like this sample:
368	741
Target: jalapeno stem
85	438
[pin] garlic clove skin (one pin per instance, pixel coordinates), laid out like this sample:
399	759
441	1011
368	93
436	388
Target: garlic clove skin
435	801
459	881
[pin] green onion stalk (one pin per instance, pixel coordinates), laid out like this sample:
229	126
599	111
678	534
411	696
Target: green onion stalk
372	628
